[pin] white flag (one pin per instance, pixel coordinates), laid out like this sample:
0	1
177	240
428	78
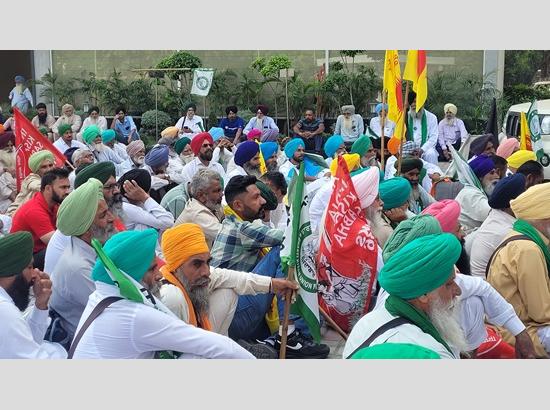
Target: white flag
202	81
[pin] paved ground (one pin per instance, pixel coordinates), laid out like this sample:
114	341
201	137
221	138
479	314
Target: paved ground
334	341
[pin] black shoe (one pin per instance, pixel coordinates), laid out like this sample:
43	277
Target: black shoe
299	346
259	350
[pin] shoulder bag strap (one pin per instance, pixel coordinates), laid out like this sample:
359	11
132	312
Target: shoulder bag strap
398	321
502	245
101	306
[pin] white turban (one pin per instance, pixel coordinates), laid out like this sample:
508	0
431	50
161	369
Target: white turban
450	107
366	186
348	108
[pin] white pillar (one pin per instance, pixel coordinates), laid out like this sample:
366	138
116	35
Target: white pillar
493	68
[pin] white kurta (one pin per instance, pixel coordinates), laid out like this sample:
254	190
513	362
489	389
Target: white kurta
430	153
24	339
149	215
62	146
426	181
389	127
189	170
56	246
474	208
238	170
130	330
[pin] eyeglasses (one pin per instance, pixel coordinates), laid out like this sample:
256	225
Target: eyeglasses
110	187
207	145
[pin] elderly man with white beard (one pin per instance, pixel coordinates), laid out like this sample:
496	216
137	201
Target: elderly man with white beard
474	202
451	130
102	153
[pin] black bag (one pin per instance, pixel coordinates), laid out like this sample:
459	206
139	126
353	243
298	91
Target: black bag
56	332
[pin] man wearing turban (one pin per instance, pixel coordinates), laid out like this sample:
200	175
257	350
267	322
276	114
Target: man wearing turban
68	116
270	152
411	169
93	118
204	208
23	338
363	146
224	149
497	224
136	158
520	157
277	183
108	137
156	163
183	149
140	210
102	153
83	216
473	200
451	131
201	295
39	163
137	325
202	145
334	147
508	147
263	123
349	125
175	164
422	129
20	96
190	124
247	160
375	125
65	140
8	184
310	129
478	300
519	267
295	152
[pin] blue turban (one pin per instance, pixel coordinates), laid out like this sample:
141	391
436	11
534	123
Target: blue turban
246	151
158	156
268	149
108	136
292	145
482	165
121	249
421	266
395	192
216	133
379	108
19	79
507	189
332	145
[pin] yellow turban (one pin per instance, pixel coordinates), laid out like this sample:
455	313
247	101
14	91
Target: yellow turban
352	160
533	203
180	243
36	159
518	158
450	107
170	132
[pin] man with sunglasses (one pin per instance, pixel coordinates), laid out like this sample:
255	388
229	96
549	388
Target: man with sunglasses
203	148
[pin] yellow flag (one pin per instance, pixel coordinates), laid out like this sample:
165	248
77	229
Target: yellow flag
525	134
392	84
416	70
263	168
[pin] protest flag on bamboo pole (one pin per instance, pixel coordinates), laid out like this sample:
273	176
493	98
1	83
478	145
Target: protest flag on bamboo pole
524	134
534	129
392	84
299	252
416	71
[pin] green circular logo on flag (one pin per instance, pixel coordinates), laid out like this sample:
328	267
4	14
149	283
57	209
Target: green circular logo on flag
305	261
534	125
203	83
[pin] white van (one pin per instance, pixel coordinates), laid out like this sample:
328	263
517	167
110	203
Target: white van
511	127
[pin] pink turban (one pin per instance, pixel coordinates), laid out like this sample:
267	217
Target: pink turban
366	186
446	212
253	134
134	147
507	147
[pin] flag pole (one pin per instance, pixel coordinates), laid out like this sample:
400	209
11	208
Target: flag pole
333	324
406	115
288	299
382	125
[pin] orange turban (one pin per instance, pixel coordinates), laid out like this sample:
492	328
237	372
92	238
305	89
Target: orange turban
180	243
393	145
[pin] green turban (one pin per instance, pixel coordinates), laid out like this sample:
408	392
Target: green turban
408	230
16	250
100	170
420	266
409	163
77	212
43	130
267	194
121	249
91	133
361	145
395	351
36	159
181	144
395	192
63	128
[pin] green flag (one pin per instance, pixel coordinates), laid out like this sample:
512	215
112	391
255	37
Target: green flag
534	128
299	251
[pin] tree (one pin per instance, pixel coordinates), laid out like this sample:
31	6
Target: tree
269	69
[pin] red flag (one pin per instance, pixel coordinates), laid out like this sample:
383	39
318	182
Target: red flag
29	140
348	254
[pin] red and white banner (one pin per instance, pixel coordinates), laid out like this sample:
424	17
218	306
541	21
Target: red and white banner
347	258
29	140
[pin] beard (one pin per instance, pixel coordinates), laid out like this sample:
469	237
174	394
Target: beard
206	156
186	159
198	293
251	170
42	118
214	206
56	198
371	213
103	234
347	123
446	319
450	121
139	160
99	147
489	187
271	166
115	206
19	291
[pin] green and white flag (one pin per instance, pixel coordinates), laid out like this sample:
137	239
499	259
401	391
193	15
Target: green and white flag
202	81
534	129
299	251
464	172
